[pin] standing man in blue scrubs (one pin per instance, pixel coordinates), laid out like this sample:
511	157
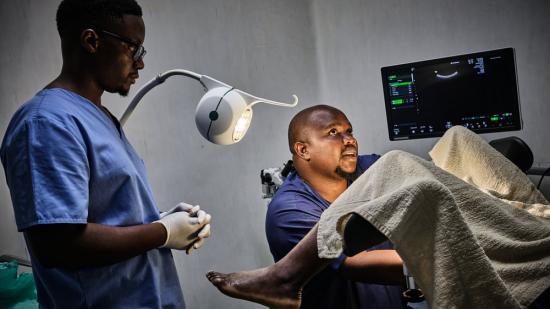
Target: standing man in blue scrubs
79	189
326	161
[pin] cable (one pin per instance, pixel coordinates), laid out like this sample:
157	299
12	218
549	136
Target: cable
287	169
542	176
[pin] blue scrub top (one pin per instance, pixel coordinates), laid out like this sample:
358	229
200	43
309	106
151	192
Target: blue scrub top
66	161
292	213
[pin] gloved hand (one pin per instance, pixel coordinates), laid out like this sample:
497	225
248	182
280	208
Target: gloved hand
182	206
203	233
183	227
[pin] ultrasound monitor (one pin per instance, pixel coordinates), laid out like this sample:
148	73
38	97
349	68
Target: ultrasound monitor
478	91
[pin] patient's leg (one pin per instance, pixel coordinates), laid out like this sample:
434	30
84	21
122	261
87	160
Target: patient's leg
360	234
278	285
469	157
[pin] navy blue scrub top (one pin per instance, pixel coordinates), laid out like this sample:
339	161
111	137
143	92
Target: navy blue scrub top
292	213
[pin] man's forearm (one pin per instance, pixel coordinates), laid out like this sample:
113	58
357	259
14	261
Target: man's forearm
377	266
88	245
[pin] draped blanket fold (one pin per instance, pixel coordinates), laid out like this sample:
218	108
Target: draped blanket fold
471	227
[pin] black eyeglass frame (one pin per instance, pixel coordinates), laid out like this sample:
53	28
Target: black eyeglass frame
139	51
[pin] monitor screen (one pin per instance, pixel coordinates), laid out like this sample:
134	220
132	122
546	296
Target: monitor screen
478	91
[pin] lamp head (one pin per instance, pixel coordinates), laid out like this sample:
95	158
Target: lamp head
223	115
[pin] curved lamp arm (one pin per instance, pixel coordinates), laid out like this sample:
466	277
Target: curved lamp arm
294	103
152	84
223	114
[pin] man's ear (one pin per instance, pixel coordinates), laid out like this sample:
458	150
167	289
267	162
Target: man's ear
89	40
302	151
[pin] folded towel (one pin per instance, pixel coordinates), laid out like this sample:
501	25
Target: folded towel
465	248
467	156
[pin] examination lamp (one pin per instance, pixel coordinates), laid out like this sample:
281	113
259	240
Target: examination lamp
223	114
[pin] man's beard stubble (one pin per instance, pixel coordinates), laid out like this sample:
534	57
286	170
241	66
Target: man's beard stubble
349	177
123	92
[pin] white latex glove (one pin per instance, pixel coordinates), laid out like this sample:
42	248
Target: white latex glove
182	206
182	227
203	233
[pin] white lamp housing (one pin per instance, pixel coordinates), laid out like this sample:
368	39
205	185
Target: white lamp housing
223	114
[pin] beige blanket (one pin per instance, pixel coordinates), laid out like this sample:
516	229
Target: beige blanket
465	247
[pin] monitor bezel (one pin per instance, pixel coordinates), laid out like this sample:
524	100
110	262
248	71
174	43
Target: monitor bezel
508	52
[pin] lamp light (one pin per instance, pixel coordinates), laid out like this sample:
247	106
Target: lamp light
223	114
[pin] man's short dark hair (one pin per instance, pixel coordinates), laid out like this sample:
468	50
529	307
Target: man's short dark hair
298	124
73	16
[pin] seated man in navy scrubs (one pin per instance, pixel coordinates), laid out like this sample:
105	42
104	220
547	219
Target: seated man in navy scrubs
326	161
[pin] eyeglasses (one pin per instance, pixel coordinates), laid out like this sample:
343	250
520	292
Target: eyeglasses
138	49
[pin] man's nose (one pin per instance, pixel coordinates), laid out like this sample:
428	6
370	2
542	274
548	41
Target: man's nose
139	64
349	139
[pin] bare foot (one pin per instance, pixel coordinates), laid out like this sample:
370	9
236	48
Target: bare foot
260	286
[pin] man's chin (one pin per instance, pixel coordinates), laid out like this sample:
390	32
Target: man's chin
349	175
123	92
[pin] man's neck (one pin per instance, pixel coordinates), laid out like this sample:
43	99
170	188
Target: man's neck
329	189
79	83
